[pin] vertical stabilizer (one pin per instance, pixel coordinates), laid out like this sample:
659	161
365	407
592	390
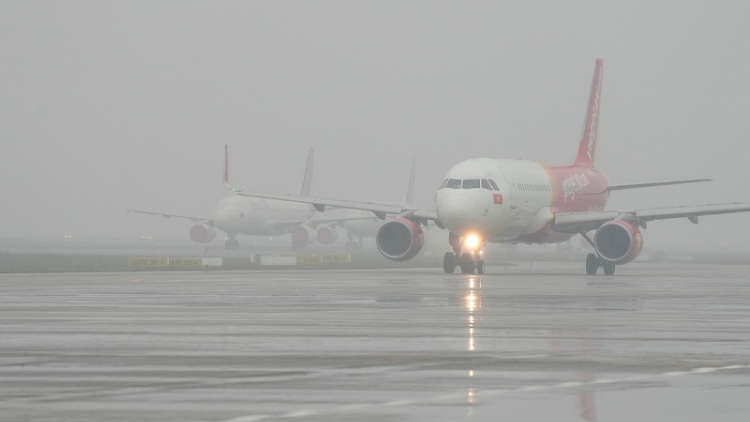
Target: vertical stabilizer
587	149
307	180
409	198
226	171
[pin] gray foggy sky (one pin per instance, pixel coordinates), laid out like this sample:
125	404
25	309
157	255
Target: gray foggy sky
106	106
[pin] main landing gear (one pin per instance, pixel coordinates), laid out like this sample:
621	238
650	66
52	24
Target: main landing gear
469	261
593	262
232	244
354	243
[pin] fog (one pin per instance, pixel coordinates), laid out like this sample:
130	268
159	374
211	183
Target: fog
106	106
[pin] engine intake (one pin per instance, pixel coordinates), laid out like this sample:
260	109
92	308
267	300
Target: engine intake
202	233
303	235
400	239
326	235
618	241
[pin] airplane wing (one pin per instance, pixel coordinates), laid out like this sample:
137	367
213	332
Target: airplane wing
380	209
196	219
652	184
314	222
578	222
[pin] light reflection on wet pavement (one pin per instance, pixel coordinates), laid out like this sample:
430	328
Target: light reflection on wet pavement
651	343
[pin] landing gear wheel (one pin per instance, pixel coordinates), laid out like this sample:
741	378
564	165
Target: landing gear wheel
231	244
592	264
609	268
449	262
480	267
467	263
347	245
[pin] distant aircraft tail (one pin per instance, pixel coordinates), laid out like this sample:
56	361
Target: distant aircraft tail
307	180
587	149
409	198
226	171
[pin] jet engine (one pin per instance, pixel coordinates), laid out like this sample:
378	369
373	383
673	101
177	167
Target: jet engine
618	241
202	233
303	235
400	239
326	235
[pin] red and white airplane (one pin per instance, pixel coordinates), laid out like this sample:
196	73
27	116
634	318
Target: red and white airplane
517	201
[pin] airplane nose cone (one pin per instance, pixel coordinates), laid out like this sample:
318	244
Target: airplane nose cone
458	213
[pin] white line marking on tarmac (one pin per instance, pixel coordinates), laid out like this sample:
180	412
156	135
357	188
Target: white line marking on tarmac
253	418
445	397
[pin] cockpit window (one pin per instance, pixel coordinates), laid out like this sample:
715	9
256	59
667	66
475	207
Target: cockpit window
486	184
453	184
442	185
471	184
494	185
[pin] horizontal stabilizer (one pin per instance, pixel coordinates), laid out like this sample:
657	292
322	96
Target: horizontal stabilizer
653	184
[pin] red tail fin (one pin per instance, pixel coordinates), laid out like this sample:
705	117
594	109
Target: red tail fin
587	148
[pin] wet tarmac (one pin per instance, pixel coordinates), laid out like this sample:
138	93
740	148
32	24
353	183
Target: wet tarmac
652	343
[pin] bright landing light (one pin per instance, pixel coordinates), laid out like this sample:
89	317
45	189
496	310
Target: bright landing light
471	241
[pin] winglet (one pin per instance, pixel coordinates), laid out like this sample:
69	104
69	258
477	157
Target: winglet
307	180
587	148
226	171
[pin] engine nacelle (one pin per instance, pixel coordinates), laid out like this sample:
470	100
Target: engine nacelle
326	235
400	239
303	235
618	241
202	233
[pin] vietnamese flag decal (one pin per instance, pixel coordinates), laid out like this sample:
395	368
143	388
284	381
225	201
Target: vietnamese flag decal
498	197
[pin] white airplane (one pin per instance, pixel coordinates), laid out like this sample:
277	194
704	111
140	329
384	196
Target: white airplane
518	201
240	215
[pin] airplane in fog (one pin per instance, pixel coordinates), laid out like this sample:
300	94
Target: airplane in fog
519	201
240	215
361	224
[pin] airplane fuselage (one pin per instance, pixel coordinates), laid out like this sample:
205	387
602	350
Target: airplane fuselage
514	201
255	216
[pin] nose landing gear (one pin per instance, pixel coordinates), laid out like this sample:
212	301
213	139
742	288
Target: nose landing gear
468	261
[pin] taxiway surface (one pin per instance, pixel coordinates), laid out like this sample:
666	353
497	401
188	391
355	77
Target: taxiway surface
652	343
